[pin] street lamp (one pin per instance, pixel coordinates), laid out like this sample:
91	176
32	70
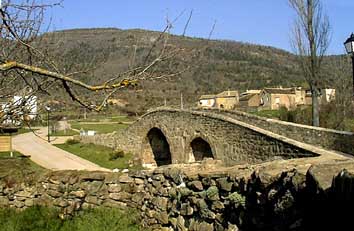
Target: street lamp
349	46
47	108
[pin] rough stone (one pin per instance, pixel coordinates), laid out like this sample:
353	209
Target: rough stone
196	185
224	184
60	202
29	202
160	202
54	194
120	196
78	194
114	204
161	217
217	206
24	194
181	224
92	200
186	209
4	202
114	188
125	179
92	176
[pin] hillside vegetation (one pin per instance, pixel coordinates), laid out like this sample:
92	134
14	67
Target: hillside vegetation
208	66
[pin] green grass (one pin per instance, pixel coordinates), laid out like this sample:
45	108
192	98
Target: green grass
97	154
100	128
47	219
268	113
121	119
18	168
104	118
62	133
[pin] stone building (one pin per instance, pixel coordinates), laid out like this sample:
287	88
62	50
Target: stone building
251	100
206	101
274	98
227	99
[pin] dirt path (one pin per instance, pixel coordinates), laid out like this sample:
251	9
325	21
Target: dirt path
49	156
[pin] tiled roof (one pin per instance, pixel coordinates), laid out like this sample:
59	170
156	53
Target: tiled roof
207	97
247	97
227	94
280	90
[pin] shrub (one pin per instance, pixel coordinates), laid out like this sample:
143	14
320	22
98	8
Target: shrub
72	142
116	154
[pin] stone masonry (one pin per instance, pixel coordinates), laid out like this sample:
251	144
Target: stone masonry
258	197
231	140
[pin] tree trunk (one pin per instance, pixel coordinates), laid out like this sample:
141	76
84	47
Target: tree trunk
315	108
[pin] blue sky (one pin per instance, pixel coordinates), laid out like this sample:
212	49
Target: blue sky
265	22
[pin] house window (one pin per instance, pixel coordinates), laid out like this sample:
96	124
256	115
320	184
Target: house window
277	100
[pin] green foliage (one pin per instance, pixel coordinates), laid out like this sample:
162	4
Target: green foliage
105	219
116	154
71	142
68	132
99	127
47	219
237	199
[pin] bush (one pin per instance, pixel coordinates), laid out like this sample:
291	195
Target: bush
72	142
116	154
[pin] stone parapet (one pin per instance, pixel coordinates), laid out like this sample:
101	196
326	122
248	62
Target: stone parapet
258	197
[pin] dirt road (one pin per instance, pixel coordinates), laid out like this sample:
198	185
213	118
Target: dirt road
49	156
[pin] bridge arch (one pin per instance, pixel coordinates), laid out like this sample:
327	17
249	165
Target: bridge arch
201	148
158	147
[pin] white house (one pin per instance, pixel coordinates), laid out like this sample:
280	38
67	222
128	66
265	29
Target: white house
207	101
328	94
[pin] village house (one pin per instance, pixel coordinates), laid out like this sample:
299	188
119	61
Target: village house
328	95
227	99
250	99
206	101
274	98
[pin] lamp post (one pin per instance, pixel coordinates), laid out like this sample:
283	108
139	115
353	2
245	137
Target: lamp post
349	46
47	108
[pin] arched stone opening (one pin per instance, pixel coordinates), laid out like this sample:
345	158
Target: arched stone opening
159	146
201	149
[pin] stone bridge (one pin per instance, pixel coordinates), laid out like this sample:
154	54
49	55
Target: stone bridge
170	136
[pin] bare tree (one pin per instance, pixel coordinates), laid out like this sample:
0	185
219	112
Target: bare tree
311	36
27	67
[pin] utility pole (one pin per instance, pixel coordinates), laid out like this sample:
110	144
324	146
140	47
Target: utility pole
85	116
181	100
165	103
48	117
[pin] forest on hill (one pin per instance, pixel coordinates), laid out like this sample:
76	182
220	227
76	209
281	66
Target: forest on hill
204	66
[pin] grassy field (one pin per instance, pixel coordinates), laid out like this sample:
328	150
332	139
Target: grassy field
47	219
18	168
99	127
104	118
101	155
62	133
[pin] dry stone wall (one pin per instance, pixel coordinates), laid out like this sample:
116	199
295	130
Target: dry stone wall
170	198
